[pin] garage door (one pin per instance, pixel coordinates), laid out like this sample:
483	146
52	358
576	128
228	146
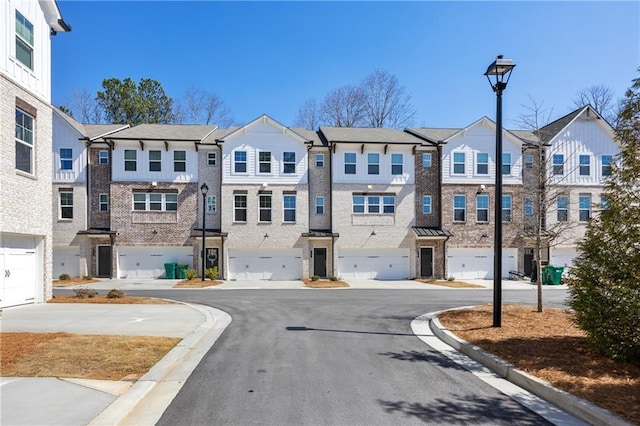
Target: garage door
66	260
275	265
148	262
18	279
465	263
381	264
563	257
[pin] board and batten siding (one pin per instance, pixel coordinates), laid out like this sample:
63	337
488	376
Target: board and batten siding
481	138
384	177
66	136
142	173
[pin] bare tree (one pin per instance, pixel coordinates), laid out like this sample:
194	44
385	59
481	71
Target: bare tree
308	115
602	99
343	107
199	106
387	104
84	107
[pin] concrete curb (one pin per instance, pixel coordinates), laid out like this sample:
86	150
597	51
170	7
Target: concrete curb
578	407
145	402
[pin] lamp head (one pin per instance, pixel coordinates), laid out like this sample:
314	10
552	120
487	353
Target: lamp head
499	73
204	189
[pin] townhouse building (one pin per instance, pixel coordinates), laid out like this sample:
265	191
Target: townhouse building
26	149
279	203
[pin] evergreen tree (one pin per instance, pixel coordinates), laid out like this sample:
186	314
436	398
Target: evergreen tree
605	281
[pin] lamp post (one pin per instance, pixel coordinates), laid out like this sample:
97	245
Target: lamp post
204	189
498	75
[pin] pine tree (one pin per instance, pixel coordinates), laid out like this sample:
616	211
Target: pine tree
605	281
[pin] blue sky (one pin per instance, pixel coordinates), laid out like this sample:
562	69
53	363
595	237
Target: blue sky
269	57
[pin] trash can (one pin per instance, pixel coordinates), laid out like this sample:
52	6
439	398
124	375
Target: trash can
182	271
552	275
170	271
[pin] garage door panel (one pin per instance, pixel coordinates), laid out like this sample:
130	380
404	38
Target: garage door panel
381	264
148	262
465	263
66	260
277	265
19	277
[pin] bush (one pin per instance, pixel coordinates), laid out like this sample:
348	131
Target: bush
334	278
315	278
65	277
191	274
211	273
87	277
450	278
115	294
85	293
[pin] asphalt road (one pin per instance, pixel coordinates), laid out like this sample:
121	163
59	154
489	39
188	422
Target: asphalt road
337	357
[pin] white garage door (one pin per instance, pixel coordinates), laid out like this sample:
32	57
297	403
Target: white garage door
563	257
66	260
148	262
275	265
381	264
18	278
466	263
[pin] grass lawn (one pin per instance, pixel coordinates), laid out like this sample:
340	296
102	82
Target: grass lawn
101	298
446	283
197	283
549	346
308	282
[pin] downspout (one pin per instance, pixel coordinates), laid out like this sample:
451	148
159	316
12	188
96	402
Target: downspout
444	245
221	268
333	239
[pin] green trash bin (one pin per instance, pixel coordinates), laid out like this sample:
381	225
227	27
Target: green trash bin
552	275
170	271
182	271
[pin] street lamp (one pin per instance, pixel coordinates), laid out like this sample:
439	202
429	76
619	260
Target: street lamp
204	189
498	75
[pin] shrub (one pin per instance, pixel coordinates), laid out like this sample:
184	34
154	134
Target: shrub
85	293
211	273
315	278
334	278
450	278
191	274
115	294
65	277
87	277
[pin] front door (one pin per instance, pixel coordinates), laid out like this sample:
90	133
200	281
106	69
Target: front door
104	261
426	262
320	262
212	258
528	261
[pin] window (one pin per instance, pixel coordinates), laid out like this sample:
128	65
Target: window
155	201
319	205
103	157
130	160
606	165
373	163
24	40
24	142
528	161
358	204
239	208
604	203
289	162
506	164
319	160
103	202
179	161
264	162
558	164
155	161
211	204
66	204
482	208
388	205
349	163
396	164
289	207
459	208
482	163
506	208
373	205
458	163
211	158
66	159
584	206
585	165
265	208
426	159
426	204
528	206
240	162
563	208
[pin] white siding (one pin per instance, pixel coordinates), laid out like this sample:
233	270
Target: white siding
66	136
264	137
142	173
384	176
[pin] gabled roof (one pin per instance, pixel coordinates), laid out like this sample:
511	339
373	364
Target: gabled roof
432	135
264	118
368	135
310	135
444	135
89	132
53	16
72	121
551	130
165	132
